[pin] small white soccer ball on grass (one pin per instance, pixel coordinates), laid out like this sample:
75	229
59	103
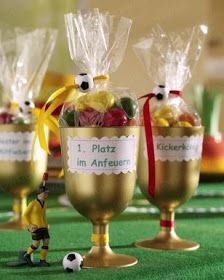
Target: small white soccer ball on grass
72	262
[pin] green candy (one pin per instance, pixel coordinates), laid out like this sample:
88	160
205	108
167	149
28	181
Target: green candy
129	105
19	121
69	118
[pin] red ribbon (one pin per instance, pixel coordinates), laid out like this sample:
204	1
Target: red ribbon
167	223
176	92
149	140
149	144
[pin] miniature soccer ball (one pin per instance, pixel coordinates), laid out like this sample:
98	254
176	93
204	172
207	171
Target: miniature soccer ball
25	106
72	262
84	81
160	92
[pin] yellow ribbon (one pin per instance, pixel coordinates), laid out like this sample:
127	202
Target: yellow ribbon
101	77
57	98
14	105
51	123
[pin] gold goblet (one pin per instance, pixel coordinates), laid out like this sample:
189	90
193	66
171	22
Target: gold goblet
176	181
18	175
100	197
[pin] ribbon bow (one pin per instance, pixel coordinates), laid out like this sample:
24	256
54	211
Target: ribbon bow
45	114
149	140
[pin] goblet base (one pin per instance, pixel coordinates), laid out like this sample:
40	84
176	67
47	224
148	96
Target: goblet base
167	242
14	224
104	257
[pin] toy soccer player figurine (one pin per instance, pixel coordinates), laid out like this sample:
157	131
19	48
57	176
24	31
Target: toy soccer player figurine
36	222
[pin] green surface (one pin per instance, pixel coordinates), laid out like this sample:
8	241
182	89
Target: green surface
71	232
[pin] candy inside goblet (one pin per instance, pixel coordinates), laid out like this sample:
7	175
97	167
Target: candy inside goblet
99	197
176	180
18	175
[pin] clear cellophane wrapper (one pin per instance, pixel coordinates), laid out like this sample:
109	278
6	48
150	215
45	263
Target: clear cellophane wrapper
24	58
169	60
97	43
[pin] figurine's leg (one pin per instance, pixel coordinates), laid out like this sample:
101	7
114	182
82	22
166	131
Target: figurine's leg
43	253
33	247
30	250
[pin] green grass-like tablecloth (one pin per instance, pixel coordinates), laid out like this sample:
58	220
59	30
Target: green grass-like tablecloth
71	232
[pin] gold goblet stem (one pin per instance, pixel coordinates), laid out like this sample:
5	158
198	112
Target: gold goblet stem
100	240
167	239
18	208
100	235
167	229
101	255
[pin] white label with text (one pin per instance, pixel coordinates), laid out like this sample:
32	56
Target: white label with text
17	146
102	155
177	148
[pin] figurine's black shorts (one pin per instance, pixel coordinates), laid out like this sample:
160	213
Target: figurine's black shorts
40	233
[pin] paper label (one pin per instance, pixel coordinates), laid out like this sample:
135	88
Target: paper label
105	155
177	148
16	146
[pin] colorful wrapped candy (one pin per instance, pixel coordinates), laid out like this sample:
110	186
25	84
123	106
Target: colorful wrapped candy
115	117
96	102
90	117
172	116
6	118
24	58
105	112
169	60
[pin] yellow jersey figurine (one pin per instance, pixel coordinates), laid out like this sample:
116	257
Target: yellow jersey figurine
36	222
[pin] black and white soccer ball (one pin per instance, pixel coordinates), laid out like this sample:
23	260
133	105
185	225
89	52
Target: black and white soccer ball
160	92
25	106
72	262
84	81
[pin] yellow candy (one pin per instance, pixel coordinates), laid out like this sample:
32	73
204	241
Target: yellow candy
163	112
80	103
183	124
169	113
100	101
161	122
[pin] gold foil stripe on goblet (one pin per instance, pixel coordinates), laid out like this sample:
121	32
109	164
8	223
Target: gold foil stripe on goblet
176	181
100	238
20	178
100	197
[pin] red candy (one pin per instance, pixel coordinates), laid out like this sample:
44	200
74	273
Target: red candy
90	117
132	122
115	117
6	118
187	117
